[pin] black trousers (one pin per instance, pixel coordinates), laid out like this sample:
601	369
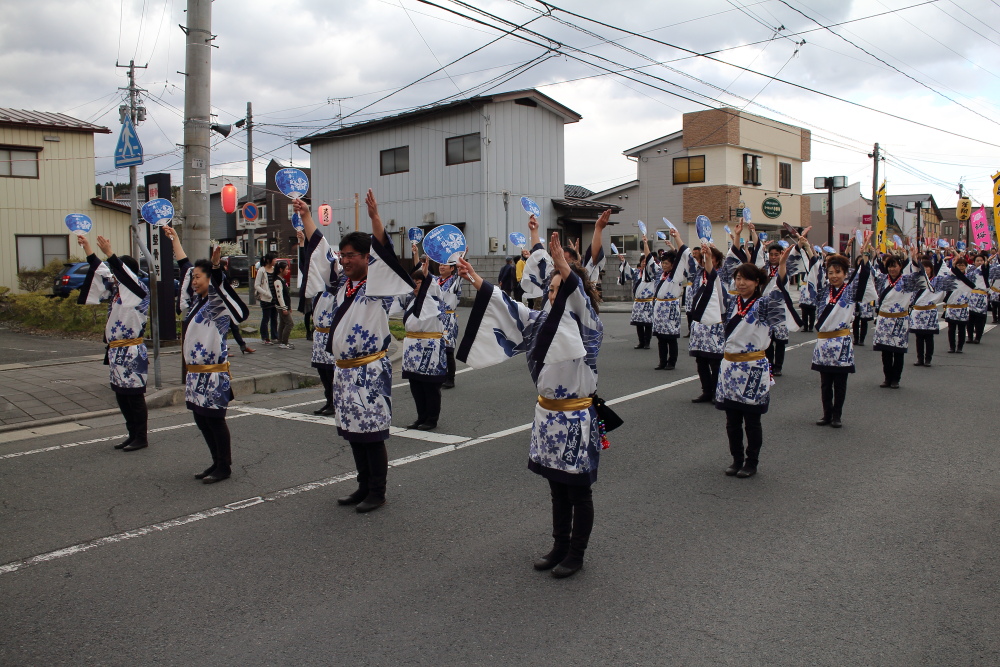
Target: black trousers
572	518
450	355
775	353
216	434
892	365
995	309
708	373
860	330
925	346
372	462
645	333
133	407
234	328
326	377
808	317
667	346
269	320
956	329
833	393
976	326
427	396
736	422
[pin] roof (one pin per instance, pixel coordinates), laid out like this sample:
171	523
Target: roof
44	120
256	192
616	189
902	200
655	142
113	205
576	191
528	96
571	202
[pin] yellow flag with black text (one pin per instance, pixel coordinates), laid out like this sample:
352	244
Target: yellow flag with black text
880	222
996	203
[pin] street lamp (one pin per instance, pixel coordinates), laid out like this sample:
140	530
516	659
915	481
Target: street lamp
830	183
918	205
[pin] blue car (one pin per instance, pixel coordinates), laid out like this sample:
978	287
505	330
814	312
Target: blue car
73	275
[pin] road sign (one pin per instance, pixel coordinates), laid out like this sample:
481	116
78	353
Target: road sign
128	152
249	215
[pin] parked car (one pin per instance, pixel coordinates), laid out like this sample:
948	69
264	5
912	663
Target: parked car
238	270
73	275
69	279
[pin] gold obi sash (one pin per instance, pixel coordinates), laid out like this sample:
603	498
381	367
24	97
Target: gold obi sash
929	306
744	356
127	342
359	361
325	330
208	368
424	334
839	333
882	313
565	404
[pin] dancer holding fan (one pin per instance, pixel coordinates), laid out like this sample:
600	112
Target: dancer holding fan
561	343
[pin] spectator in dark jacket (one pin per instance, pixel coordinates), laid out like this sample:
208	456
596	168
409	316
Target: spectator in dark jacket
506	278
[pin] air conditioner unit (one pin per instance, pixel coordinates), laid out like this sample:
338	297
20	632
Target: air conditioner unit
429	218
108	193
494	244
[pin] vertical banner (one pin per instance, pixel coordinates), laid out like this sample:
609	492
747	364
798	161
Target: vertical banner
979	228
880	222
996	201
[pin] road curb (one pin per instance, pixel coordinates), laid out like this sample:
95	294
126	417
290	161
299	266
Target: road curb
262	383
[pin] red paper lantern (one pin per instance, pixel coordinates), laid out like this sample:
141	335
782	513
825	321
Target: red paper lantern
229	196
325	214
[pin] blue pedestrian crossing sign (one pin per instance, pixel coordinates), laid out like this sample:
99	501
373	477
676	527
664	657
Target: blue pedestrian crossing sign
128	152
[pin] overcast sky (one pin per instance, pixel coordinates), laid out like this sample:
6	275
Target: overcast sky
293	59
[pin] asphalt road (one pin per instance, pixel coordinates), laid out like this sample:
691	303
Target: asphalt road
18	348
874	544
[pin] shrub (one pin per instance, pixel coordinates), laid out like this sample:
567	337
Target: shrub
36	280
40	311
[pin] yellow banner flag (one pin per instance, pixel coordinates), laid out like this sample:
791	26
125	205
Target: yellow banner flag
880	220
996	202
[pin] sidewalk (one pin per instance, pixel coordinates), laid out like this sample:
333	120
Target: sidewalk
41	392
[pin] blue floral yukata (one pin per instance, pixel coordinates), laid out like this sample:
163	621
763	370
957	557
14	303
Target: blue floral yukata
835	308
128	308
561	343
359	328
667	297
424	313
892	328
205	327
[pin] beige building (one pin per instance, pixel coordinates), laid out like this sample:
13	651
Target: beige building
46	173
720	161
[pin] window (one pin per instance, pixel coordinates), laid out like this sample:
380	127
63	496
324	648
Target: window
751	169
19	162
34	252
462	149
785	175
689	169
395	160
844	240
625	243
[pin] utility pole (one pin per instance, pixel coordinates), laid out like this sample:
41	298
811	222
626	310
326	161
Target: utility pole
252	228
961	223
137	113
356	215
197	123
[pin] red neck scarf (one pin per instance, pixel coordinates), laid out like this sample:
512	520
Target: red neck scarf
353	289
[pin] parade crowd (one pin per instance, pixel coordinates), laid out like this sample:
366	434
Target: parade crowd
737	306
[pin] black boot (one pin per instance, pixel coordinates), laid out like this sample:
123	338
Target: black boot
378	469
583	522
663	350
562	529
361	463
449	383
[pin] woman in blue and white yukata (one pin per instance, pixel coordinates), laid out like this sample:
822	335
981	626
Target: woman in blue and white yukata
709	305
833	357
667	302
979	300
643	292
896	287
924	323
128	308
425	363
322	278
561	343
956	302
864	312
743	390
450	287
208	390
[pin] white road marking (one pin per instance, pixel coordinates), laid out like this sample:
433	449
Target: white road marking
13	455
395	386
246	503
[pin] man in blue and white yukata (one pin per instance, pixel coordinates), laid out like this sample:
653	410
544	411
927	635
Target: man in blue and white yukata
359	342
